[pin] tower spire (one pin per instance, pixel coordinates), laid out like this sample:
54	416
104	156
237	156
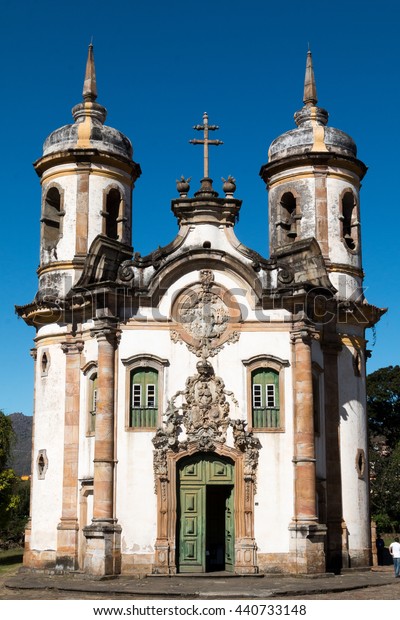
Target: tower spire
89	85
310	89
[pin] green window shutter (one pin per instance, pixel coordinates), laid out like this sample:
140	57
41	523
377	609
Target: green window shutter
144	398
265	394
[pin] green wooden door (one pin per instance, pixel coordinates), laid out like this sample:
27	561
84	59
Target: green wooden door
192	530
196	475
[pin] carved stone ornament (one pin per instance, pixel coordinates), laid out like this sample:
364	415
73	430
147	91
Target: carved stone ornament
42	464
229	185
246	442
285	274
183	187
126	272
203	416
203	317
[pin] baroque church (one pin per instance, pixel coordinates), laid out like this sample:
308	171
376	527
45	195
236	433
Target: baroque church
201	408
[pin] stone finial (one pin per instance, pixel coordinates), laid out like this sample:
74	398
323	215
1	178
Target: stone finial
206	189
183	187
310	89
89	85
229	186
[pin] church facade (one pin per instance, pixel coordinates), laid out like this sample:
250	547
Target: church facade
201	408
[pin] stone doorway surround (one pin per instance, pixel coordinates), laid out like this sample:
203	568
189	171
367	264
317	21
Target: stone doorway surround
167	507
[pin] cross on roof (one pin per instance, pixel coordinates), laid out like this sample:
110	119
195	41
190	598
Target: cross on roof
206	128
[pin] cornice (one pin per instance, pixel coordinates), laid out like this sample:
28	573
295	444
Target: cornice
312	159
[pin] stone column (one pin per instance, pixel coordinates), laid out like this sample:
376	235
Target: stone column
103	553
321	209
67	534
307	536
82	208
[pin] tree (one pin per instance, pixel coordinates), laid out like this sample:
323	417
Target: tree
385	488
14	508
383	407
383	404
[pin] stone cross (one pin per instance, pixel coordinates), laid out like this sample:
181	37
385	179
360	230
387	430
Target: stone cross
206	128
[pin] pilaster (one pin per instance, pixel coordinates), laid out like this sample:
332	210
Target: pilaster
305	510
307	538
82	209
103	555
321	210
67	529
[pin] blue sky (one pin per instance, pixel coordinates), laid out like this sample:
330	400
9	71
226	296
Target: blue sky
160	65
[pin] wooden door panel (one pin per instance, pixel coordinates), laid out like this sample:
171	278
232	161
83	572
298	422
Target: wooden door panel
191	537
192	473
218	471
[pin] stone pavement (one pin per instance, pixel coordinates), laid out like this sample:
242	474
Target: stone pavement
200	587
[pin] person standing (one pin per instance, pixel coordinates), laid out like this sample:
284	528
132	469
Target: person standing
380	545
394	550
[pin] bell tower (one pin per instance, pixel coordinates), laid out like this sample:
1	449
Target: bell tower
313	178
87	175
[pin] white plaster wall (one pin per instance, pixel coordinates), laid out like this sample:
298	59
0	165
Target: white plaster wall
353	435
136	499
349	288
86	442
51	329
136	503
216	235
49	436
65	279
274	500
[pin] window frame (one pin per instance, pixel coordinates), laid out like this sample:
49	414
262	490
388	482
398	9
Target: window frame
277	365
150	362
140	396
90	374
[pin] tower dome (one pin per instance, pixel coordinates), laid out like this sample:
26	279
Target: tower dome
88	130
313	179
87	176
312	132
